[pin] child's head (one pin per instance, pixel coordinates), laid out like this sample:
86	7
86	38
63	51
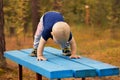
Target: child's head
60	32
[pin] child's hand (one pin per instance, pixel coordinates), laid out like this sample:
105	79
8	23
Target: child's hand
41	58
74	56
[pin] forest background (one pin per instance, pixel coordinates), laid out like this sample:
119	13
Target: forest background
94	23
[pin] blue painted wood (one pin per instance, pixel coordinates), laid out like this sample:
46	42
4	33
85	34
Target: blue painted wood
29	50
59	66
79	70
102	69
45	68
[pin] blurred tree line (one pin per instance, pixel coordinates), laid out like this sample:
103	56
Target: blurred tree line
100	13
2	37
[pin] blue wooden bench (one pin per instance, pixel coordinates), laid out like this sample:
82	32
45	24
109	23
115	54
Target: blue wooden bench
58	66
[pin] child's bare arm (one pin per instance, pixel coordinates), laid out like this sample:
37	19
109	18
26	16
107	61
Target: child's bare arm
73	49
40	49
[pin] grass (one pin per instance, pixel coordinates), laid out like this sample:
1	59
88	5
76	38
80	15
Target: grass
95	43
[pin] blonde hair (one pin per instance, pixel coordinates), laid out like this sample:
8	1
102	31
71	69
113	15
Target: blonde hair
61	31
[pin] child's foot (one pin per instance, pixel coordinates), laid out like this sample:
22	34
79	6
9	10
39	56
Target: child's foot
66	52
34	53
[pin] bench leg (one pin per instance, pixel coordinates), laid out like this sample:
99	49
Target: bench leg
55	79
38	76
83	78
20	71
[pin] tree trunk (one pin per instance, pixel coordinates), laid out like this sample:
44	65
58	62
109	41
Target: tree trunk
57	5
115	18
2	38
35	15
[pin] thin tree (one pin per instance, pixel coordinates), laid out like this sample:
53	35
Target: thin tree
35	15
2	37
57	5
115	20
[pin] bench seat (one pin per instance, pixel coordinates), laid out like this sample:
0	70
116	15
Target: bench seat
59	66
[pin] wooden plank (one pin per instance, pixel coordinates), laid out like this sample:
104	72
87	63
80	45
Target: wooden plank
45	68
78	69
102	69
